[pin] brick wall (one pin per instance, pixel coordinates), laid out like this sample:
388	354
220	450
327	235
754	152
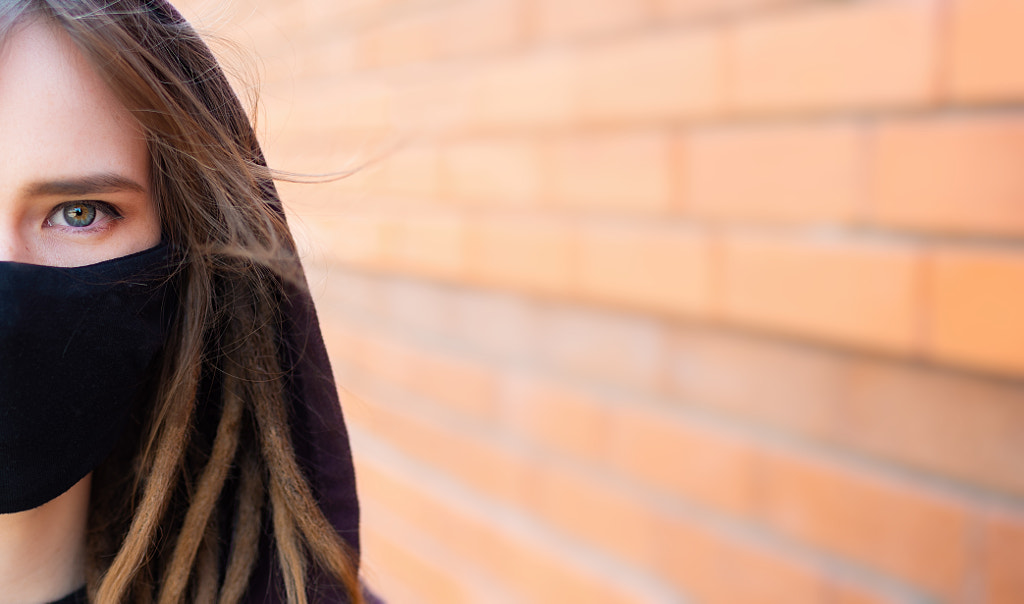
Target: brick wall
707	301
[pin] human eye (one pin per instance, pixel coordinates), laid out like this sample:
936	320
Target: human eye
82	215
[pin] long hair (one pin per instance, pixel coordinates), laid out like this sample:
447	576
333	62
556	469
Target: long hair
178	512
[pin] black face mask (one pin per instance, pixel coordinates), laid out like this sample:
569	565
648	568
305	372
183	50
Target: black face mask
78	348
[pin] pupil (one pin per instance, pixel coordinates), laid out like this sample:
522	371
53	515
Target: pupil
80	215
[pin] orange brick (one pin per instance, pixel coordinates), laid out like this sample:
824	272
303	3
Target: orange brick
984	39
682	459
836	56
604	348
495	324
342	106
419	573
386	358
460	385
974	308
805	173
414	500
597	514
377	419
355	292
1004	559
488	468
429	244
697	9
382	484
849	292
384	421
493	171
437	106
571	18
411	306
657	77
340	339
557	418
848	594
325	57
482	27
522	253
495	471
354	238
629	172
535	91
411	40
269	24
914	535
660	269
344	341
312	153
358	412
704	565
404	517
446	536
541	574
478	538
350	9
690	9
918	417
952	175
412	171
738	374
530	569
314	13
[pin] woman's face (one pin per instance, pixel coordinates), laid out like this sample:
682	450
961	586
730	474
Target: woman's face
74	165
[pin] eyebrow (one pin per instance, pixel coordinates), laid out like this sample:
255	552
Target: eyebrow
84	185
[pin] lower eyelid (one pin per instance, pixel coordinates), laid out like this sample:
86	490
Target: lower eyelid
72	234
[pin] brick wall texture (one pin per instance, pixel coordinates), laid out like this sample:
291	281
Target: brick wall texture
697	301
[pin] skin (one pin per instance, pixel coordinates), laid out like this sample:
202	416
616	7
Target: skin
67	143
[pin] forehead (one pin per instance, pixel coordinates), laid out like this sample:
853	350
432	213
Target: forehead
57	116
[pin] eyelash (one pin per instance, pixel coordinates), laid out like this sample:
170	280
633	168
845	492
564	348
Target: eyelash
108	211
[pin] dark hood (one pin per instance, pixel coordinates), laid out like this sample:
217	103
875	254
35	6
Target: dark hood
318	429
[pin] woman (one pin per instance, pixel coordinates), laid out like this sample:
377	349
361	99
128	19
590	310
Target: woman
169	428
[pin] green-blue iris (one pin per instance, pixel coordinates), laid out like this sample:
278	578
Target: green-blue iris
80	214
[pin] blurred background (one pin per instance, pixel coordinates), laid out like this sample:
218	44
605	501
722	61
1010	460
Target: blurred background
697	301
